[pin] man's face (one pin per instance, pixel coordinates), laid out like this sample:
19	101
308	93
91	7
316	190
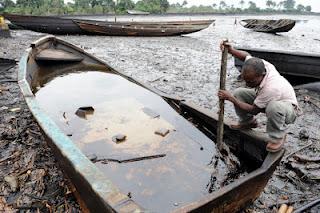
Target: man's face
251	78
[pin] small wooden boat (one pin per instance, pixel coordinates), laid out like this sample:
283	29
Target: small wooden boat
268	26
175	169
45	24
287	63
136	12
143	28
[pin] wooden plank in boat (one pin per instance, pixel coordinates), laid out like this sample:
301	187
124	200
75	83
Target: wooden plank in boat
57	55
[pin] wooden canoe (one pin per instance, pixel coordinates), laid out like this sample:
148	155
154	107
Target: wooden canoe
268	26
287	63
179	178
45	24
143	28
136	12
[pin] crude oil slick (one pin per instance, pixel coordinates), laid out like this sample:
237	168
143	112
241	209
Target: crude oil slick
166	170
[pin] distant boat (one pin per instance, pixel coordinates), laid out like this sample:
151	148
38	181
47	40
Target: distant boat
143	28
268	26
137	12
45	24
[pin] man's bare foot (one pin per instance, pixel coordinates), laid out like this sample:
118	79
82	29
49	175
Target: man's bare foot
276	145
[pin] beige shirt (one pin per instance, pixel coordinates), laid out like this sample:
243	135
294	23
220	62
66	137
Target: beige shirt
273	87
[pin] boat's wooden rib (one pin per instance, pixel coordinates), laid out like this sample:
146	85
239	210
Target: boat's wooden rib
268	26
95	187
143	29
287	63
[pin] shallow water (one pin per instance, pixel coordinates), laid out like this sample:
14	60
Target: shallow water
161	184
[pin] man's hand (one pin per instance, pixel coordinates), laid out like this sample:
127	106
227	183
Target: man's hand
225	45
225	95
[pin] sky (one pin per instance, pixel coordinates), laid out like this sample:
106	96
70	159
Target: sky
315	4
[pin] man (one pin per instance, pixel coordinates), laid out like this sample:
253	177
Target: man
268	92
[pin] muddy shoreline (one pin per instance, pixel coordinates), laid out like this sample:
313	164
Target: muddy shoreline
183	66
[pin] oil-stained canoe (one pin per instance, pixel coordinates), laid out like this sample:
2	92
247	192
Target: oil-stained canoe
173	28
175	170
45	24
287	63
268	26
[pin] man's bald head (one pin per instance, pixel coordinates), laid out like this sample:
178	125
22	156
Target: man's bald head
253	72
254	64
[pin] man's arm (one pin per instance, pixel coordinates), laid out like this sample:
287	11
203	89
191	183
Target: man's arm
252	109
236	53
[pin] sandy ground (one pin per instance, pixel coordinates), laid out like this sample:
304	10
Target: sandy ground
185	66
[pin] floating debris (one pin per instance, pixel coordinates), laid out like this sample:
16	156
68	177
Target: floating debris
150	112
107	160
92	157
82	112
65	118
162	131
119	138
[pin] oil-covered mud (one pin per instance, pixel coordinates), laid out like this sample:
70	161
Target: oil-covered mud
189	66
30	179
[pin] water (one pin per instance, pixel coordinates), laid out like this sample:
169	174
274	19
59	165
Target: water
183	175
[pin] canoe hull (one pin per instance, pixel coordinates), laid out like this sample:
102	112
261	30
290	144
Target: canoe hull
98	193
45	24
143	29
269	26
288	63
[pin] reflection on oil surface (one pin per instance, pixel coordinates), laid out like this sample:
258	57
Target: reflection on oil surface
181	175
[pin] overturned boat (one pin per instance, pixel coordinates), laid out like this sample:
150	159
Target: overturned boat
172	28
268	26
127	147
287	63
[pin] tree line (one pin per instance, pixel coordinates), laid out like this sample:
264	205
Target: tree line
243	7
53	7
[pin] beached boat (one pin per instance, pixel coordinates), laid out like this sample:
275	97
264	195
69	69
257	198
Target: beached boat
268	26
144	28
287	63
137	12
45	24
160	161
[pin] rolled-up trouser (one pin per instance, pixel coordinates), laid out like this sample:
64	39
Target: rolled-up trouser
279	113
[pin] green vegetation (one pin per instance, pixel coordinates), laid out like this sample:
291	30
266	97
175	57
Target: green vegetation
51	7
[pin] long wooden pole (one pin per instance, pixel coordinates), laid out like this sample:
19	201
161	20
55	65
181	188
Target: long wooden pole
223	74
